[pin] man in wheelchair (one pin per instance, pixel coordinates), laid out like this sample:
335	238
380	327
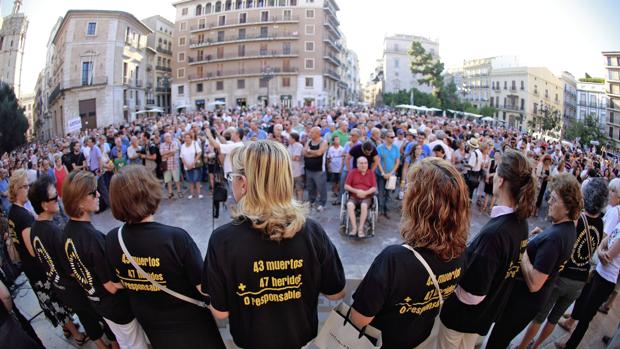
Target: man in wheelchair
361	185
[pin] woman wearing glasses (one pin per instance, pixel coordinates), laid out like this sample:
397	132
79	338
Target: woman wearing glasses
20	221
86	256
46	240
266	268
545	255
168	254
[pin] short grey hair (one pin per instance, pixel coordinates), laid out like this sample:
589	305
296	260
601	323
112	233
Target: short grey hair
595	195
615	185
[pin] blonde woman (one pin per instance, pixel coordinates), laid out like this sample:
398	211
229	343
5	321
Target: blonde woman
396	295
266	268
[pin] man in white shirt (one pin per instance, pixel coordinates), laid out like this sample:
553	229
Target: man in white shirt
225	147
441	136
295	151
474	164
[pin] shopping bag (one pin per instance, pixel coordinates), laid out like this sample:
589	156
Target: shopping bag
339	333
390	184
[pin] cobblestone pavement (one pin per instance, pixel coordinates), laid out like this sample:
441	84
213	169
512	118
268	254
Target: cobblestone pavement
357	255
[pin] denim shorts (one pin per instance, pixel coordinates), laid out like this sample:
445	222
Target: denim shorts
193	175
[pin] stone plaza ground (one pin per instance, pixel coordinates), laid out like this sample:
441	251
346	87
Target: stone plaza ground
195	217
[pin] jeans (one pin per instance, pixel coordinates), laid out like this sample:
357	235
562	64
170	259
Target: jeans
564	293
343	179
316	181
384	194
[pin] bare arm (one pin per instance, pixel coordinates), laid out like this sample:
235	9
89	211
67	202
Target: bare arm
533	278
375	163
348	162
360	320
111	287
27	243
335	297
5	297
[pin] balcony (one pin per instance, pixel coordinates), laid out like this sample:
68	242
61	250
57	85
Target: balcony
162	68
162	89
131	82
331	11
247	55
333	42
150	102
163	50
248	37
512	107
55	93
78	83
332	28
332	58
240	73
251	21
331	74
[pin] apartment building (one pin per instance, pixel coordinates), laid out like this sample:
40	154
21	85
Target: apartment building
396	62
612	84
570	98
592	100
159	66
476	78
98	67
12	39
26	101
256	52
351	78
522	93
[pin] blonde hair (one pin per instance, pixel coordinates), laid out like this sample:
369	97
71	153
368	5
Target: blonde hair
269	202
436	209
17	180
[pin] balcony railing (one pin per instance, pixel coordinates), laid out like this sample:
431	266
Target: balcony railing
332	27
55	93
162	68
249	21
132	82
77	83
162	89
512	107
163	50
246	55
332	74
333	42
241	72
150	102
248	37
332	57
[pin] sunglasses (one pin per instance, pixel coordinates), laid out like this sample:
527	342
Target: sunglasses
54	199
231	175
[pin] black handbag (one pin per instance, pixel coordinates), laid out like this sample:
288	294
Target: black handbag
220	193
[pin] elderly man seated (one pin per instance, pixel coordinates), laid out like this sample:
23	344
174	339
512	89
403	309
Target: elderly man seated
361	184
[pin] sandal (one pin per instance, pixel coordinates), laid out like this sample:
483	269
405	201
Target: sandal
67	333
564	326
82	341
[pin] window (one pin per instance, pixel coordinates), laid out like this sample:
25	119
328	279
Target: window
184	11
505	85
240	84
309	13
242	33
262	83
396	62
199	55
286	81
309	63
183	27
180	90
492	98
249	3
239	4
309	82
309	29
293	2
286	48
264	16
241	50
199	87
221	20
220	36
208	9
198	10
286	15
91	29
200	71
522	104
611	132
218	6
243	17
219	85
182	41
263	49
522	85
309	46
513	85
181	57
220	52
556	97
611	117
87	69
181	73
264	31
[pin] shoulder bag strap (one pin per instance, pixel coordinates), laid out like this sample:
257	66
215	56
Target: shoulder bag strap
428	269
587	227
148	277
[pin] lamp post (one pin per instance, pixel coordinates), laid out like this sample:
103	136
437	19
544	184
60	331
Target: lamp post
267	76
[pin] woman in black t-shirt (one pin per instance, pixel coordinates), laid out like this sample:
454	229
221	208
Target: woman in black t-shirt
397	295
492	257
266	268
46	239
546	253
20	221
86	259
575	274
171	258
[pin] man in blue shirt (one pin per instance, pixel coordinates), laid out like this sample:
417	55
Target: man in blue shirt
255	133
4	191
389	156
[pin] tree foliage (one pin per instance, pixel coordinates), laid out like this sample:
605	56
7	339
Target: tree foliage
585	131
430	69
547	120
404	97
13	123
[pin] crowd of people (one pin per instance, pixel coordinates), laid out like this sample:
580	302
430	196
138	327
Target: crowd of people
146	282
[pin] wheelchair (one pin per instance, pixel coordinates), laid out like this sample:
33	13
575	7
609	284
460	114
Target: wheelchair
371	219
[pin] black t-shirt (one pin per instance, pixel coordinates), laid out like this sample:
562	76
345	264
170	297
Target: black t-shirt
172	258
271	288
357	151
46	239
493	261
400	294
77	159
548	251
20	219
86	258
577	267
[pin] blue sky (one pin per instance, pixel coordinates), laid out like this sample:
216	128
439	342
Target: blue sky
560	34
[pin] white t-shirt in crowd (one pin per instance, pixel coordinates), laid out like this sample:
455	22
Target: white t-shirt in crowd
610	271
475	161
610	219
226	149
297	149
445	147
336	158
188	152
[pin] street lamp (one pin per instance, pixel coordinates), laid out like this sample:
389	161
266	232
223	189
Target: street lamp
267	76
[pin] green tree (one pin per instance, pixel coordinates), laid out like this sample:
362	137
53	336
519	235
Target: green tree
428	67
585	130
13	123
449	97
487	111
404	97
547	120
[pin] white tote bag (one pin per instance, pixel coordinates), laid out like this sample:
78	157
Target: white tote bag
390	184
339	333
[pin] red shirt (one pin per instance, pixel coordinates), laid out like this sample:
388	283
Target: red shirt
356	180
